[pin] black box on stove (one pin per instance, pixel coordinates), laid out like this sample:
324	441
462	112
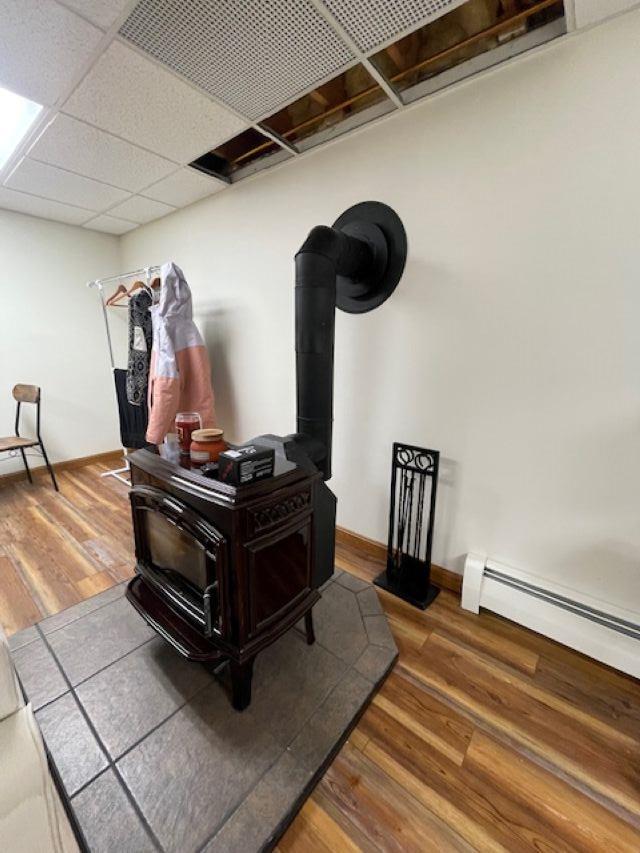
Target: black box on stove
242	465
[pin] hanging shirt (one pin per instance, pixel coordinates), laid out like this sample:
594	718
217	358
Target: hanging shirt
140	341
180	374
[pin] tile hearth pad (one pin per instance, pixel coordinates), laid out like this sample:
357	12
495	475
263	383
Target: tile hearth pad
150	750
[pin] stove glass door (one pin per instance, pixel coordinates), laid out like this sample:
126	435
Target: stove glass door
173	549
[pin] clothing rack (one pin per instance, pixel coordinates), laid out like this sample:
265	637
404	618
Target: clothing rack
99	285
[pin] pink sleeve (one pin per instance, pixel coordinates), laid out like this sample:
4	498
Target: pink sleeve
164	394
195	379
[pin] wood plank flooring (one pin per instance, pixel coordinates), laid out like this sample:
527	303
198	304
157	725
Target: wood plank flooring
57	549
485	737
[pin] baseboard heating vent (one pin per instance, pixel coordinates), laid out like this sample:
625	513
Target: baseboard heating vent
604	631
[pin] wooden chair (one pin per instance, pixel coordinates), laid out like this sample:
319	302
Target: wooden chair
27	394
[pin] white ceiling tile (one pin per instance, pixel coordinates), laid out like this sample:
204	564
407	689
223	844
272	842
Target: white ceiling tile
110	224
42	47
66	187
141	210
591	11
102	13
371	23
78	147
184	187
135	98
42	207
250	54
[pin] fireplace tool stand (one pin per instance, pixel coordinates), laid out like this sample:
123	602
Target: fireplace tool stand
408	572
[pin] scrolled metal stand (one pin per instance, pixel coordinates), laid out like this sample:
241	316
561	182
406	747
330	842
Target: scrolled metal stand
408	572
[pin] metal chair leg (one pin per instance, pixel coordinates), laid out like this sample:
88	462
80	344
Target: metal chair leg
49	468
24	459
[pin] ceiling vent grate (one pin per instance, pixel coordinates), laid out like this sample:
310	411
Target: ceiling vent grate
253	56
371	23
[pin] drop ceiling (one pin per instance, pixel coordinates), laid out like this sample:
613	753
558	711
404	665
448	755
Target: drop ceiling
135	92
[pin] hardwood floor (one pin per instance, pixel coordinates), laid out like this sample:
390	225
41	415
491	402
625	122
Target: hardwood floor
58	549
485	737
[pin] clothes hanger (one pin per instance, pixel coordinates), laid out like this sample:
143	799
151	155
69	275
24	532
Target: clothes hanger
154	289
117	295
137	285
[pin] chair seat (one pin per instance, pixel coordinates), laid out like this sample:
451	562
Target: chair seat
12	442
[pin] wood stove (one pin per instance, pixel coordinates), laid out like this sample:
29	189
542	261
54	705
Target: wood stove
222	571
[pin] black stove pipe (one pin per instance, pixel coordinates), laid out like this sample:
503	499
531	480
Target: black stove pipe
326	254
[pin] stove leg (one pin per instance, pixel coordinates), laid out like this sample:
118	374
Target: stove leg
241	675
308	624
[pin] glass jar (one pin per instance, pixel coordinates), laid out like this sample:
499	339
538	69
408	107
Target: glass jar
170	448
206	446
186	424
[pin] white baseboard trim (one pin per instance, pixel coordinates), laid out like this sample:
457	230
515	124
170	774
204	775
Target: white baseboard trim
603	631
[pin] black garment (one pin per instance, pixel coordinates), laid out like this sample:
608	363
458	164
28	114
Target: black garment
133	419
140	340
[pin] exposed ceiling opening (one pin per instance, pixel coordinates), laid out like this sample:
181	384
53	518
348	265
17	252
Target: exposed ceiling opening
327	106
455	34
233	159
136	94
476	27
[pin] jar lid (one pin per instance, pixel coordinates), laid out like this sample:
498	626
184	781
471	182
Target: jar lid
186	416
207	434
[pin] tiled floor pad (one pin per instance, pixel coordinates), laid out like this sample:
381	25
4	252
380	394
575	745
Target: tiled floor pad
148	746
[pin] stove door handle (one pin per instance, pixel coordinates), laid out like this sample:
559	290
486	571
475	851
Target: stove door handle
211	607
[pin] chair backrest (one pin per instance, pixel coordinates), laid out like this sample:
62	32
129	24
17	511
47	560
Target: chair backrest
26	393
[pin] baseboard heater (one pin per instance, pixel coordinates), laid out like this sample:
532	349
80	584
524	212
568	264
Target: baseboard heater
597	628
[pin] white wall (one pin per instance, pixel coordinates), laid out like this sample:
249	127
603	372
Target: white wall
512	343
52	334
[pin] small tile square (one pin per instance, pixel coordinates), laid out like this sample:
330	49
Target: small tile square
39	673
254	824
138	100
23	638
320	735
290	680
47	181
338	623
70	741
44	208
141	210
369	602
379	632
128	699
184	187
81	148
351	582
98	639
108	820
217	754
375	661
109	224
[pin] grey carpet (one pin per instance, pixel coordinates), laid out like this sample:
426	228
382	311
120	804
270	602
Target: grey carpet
150	750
